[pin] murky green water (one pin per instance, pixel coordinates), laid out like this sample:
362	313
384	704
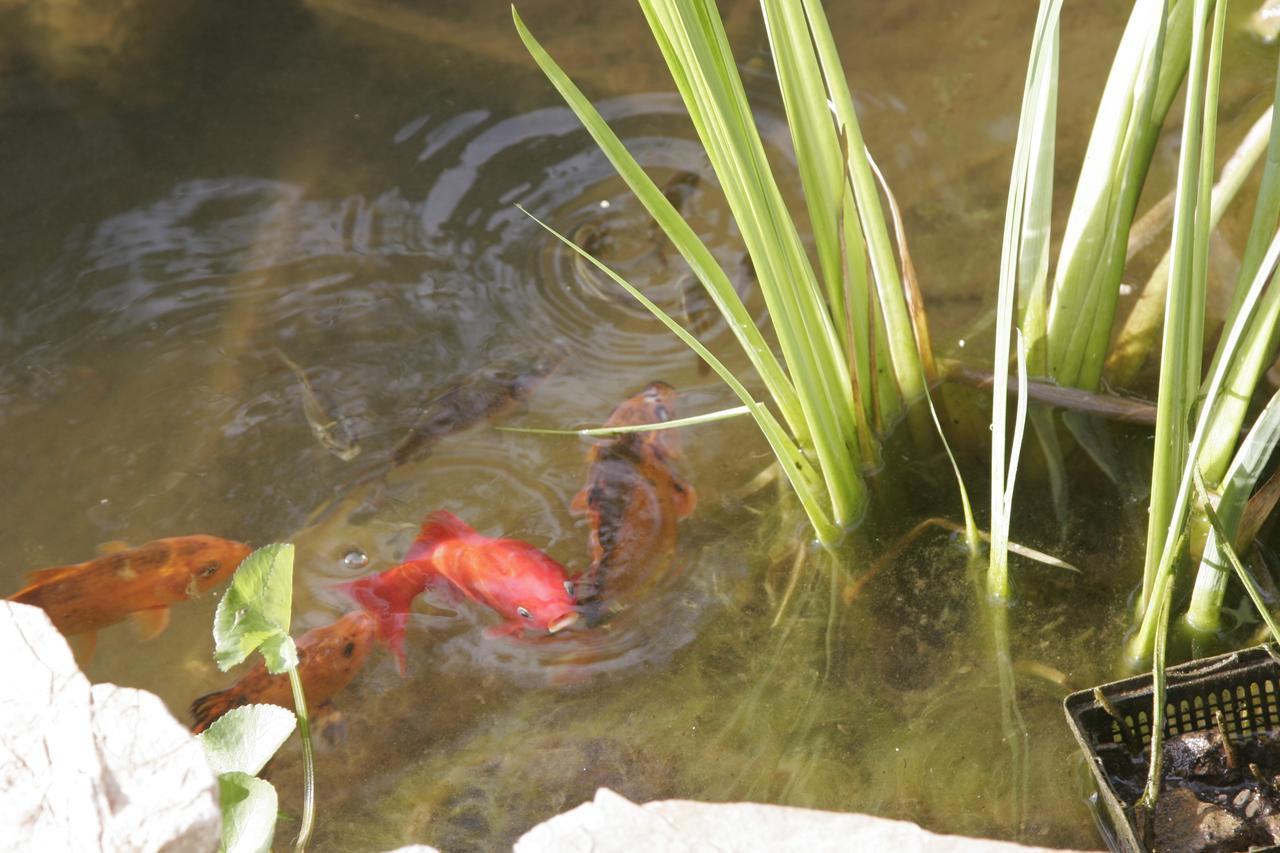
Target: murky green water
184	194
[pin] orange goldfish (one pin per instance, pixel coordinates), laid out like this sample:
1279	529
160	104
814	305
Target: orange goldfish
328	658
633	500
524	585
140	583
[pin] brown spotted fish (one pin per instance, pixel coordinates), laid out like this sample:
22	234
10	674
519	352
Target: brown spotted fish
139	583
328	658
633	500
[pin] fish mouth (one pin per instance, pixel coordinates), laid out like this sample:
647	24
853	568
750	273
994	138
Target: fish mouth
558	624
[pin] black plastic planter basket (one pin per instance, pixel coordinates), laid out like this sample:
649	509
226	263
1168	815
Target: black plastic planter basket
1244	686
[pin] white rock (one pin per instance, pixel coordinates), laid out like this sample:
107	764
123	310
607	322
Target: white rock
614	824
92	767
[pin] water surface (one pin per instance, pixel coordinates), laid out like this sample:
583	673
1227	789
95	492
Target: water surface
339	180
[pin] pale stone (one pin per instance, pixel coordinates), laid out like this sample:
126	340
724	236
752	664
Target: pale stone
92	767
613	824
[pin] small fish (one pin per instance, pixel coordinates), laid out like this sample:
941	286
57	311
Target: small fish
633	500
678	190
593	238
487	393
525	586
139	583
328	658
330	431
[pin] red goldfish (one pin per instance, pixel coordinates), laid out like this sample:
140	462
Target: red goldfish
328	658
632	500
524	585
137	582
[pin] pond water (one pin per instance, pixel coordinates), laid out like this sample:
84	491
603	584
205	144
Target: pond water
186	193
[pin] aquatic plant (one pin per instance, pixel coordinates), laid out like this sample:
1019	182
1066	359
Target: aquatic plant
854	346
254	615
237	746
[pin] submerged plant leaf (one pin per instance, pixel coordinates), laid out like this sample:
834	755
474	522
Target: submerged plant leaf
244	739
254	614
248	813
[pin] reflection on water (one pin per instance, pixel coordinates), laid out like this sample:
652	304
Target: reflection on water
310	177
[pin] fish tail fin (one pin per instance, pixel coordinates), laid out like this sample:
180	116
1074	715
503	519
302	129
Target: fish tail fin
209	707
387	597
439	526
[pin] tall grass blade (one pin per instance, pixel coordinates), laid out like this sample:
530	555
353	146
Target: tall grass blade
1203	614
1148	69
1143	641
704	265
693	42
1246	580
692	420
1180	355
1141	328
794	465
896	317
1023	261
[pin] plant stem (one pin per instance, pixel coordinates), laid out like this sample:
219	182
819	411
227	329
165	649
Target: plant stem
308	764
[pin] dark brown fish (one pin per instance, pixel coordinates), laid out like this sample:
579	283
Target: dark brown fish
633	501
485	394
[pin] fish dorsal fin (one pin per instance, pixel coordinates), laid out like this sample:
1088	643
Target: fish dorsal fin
150	622
38	576
578	506
439	526
115	546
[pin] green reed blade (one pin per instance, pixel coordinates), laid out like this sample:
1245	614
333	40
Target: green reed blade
1228	550
1203	613
1180	355
794	464
1023	262
817	147
692	40
1145	76
1141	328
901	340
1139	647
692	420
691	248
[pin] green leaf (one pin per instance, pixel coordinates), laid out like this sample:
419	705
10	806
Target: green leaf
244	739
254	613
248	813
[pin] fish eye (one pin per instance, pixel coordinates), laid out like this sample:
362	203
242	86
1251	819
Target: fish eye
524	611
208	570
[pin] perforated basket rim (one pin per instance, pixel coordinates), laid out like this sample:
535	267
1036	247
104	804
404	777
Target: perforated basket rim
1133	696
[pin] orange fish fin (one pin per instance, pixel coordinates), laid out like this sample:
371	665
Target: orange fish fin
83	646
439	526
115	546
38	576
578	506
150	622
686	497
